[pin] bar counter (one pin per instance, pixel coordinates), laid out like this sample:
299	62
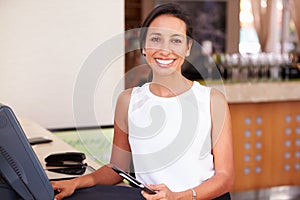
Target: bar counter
260	91
266	133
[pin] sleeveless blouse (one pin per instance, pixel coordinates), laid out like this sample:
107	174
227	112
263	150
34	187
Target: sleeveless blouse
170	138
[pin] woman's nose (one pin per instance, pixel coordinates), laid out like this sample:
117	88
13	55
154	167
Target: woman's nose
165	49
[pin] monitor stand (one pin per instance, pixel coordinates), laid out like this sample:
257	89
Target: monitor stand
6	191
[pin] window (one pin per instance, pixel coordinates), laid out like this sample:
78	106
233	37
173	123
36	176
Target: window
285	29
249	42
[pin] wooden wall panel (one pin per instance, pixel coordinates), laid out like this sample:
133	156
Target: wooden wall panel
266	144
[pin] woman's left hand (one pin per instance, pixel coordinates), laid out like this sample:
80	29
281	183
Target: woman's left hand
162	193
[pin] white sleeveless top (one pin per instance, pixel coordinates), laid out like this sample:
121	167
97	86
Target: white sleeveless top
170	138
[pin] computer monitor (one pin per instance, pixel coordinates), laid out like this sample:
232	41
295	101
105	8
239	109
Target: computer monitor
20	169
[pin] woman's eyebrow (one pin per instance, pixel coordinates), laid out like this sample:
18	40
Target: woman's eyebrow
178	35
156	34
173	35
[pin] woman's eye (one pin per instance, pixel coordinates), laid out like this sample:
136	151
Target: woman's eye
155	39
176	41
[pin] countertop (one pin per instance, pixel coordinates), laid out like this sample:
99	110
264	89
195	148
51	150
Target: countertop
260	91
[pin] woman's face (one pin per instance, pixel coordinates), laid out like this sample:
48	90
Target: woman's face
166	44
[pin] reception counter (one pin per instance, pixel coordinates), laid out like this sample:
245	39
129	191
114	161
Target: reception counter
266	133
260	92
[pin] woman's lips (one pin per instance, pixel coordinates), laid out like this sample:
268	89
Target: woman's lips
164	62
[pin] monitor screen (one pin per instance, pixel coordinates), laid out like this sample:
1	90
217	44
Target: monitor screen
19	166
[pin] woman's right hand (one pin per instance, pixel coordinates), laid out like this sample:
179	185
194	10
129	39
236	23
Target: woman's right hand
63	188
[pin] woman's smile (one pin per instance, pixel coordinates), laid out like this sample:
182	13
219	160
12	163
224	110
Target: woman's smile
164	62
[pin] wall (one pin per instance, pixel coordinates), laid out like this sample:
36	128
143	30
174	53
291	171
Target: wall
45	49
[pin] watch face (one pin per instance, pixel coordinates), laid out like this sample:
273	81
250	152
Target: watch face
193	194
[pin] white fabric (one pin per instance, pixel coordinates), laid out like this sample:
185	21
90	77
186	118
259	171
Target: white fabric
170	138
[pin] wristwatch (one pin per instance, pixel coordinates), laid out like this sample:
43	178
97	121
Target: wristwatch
194	194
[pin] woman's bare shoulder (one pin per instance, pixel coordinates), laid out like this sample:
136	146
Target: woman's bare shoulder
125	95
218	96
124	99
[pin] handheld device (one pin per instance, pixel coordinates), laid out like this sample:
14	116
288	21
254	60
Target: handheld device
132	180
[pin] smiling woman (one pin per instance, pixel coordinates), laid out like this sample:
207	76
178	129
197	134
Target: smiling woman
166	44
169	125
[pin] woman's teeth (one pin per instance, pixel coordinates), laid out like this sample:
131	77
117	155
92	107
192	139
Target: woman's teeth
164	62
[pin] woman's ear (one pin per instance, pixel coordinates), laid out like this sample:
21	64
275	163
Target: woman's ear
144	52
187	53
189	48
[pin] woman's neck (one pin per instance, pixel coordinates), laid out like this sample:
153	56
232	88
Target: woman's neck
170	86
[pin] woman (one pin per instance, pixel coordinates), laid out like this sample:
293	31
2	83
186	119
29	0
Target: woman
176	131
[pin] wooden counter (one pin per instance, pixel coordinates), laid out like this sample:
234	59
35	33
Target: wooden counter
260	92
266	133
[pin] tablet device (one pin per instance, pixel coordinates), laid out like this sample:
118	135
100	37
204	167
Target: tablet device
132	180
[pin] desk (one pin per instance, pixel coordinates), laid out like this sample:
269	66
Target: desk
98	192
33	129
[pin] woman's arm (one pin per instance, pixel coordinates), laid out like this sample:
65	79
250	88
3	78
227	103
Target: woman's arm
121	152
121	156
222	149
